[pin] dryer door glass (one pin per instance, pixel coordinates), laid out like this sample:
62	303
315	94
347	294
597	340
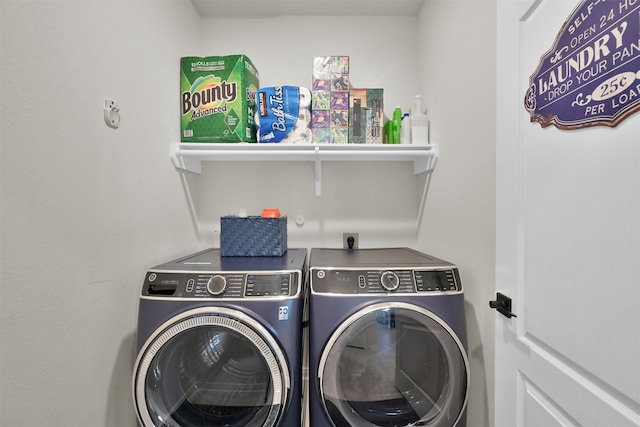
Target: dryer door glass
394	365
211	370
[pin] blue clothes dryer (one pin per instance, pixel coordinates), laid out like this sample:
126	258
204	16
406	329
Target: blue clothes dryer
219	341
388	343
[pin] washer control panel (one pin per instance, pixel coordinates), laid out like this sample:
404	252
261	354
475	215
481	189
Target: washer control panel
220	285
350	281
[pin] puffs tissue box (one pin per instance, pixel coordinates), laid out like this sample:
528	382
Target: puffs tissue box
253	236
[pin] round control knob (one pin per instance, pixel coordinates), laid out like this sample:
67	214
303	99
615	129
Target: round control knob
217	285
390	280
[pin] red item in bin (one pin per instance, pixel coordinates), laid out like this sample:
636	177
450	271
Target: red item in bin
270	213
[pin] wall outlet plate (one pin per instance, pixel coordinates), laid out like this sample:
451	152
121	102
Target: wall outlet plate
345	240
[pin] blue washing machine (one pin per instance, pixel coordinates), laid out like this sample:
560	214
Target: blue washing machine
219	341
388	344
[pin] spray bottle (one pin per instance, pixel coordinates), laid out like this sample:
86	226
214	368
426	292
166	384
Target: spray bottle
419	123
397	124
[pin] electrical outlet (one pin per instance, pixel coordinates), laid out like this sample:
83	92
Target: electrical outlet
346	241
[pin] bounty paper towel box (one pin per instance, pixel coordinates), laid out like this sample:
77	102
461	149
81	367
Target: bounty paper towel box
217	98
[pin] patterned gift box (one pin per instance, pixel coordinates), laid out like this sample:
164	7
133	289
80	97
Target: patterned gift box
330	91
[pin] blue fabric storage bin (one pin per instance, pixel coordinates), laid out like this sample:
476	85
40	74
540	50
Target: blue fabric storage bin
253	236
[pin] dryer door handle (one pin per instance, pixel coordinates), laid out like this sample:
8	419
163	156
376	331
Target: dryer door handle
503	305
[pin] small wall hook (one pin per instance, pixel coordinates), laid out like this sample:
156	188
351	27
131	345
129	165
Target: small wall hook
111	113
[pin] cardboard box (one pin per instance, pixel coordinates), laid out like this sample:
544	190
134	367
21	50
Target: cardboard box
366	116
330	99
217	99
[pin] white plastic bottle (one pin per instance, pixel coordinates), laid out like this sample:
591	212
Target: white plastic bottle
419	123
405	129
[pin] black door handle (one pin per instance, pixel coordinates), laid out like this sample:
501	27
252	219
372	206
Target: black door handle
503	305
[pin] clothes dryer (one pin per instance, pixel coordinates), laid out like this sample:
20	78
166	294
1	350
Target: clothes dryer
388	343
219	341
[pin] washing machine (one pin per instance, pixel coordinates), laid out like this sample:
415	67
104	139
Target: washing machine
219	341
388	344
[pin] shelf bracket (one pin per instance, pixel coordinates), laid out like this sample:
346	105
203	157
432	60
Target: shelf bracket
185	163
426	163
318	182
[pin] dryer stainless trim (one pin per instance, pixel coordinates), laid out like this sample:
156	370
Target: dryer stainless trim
370	309
215	316
382	269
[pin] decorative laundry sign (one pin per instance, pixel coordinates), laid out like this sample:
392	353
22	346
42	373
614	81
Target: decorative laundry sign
591	75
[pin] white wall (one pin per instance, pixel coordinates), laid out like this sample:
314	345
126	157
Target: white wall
86	209
458	71
379	200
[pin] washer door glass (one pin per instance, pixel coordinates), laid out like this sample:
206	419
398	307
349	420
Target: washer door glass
394	364
211	370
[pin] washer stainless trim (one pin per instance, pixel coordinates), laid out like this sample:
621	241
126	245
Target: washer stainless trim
215	316
291	273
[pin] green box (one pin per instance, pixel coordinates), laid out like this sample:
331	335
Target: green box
217	99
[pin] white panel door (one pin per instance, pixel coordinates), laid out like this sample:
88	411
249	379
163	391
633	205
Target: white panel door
568	249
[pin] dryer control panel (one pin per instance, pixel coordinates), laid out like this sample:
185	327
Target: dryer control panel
355	281
222	285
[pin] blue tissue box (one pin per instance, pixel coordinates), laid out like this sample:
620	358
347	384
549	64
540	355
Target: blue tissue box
253	236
